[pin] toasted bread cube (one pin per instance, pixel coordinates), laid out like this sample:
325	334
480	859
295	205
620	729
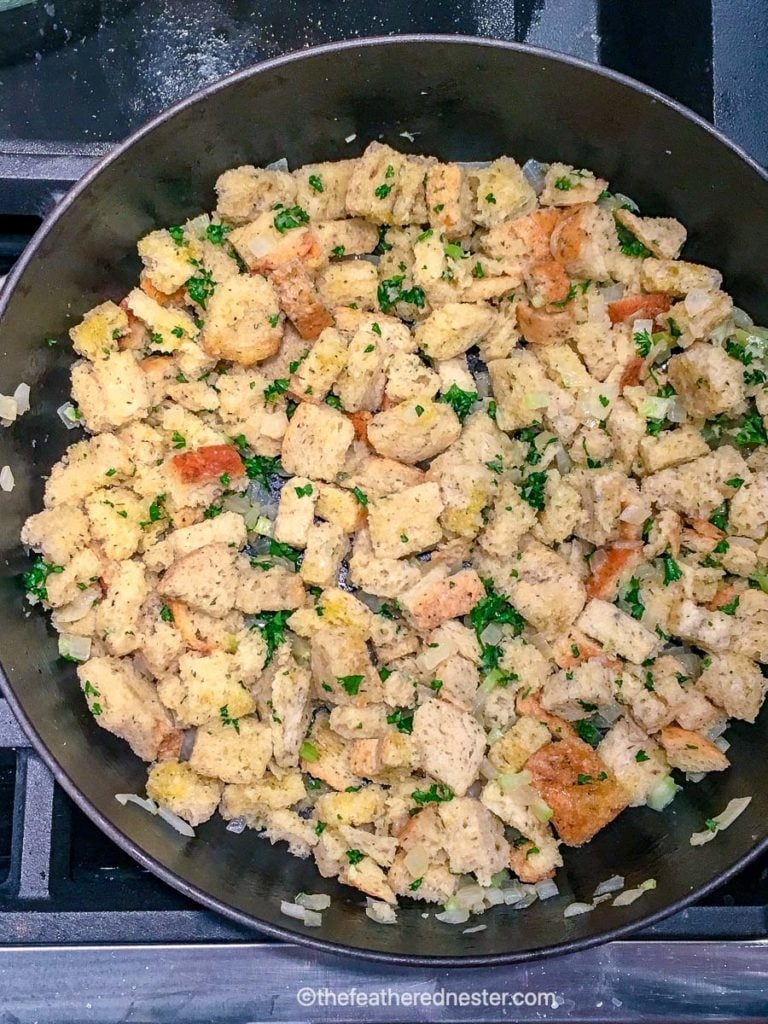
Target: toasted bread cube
387	187
205	684
169	327
232	750
360	808
449	200
690	751
321	189
735	683
579	788
339	507
474	839
315	375
618	632
454	328
405	523
347	283
166	262
316	442
519	742
332	764
242	322
450	744
125	702
635	759
296	512
326	547
566	186
437	597
671	448
205	579
677	277
501	191
663	236
707	379
268	590
414	430
97	335
183	791
110	392
244	192
300	300
58	533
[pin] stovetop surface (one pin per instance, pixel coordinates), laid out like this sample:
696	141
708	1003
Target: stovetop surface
80	922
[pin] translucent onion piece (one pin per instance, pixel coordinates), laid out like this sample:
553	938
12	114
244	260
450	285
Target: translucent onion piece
78	606
628	896
535	173
456	916
546	889
66	414
292	910
662	794
741	319
9	408
612	884
416	861
574	909
313	901
140	801
237	825
7	482
380	912
176	822
74	647
477	928
280	164
313	920
722	821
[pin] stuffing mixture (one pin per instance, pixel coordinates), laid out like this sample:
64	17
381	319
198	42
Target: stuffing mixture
420	519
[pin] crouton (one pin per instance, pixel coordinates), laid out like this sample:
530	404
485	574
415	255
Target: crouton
583	241
575	782
205	579
618	632
299	299
117	615
232	749
449	200
568	186
246	191
414	430
321	189
522	739
735	683
296	512
690	751
253	800
696	488
180	789
166	262
332	763
387	187
544	590
634	758
384	577
242	322
268	590
663	236
340	507
437	597
351	282
454	328
125	702
97	335
110	392
205	684
57	533
360	385
168	328
671	448
501	190
315	375
474	839
585	688
677	277
748	509
450	744
708	381
405	523
316	442
360	808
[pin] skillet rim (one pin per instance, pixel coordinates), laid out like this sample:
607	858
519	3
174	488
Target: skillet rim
99	818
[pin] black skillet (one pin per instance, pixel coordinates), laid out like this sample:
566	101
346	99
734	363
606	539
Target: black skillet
460	98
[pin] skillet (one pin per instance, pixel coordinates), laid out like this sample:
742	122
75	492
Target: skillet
459	98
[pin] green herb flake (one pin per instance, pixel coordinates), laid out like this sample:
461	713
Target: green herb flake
438	793
532	490
402	718
304	492
308	751
641	756
178	440
350	684
216	233
460	401
227	720
277	388
272	628
315	183
587	731
290	217
354	856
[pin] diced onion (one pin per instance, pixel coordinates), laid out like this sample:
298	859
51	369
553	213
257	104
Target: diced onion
278	165
313	901
21	394
695	777
696	301
416	861
655	408
456	916
741	319
639	326
612	292
351	138
493	896
628	896
411	136
535	173
612	884
676	412
380	912
176	822
492	634
491	681
140	801
237	825
76	648
68	416
196	227
541	811
535	400
7	482
292	910
509	781
722	743
528	899
722	821
77	607
649	883
477	928
312	920
635	514
574	909
546	889
263	526
9	409
662	794
562	460
626	201
488	770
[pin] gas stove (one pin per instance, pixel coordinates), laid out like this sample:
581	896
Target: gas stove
85	933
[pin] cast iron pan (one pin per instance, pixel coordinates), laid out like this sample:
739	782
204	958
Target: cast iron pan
462	99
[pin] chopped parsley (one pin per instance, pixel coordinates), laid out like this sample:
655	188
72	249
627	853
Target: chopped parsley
735	482
436	685
216	233
632	598
272	627
752	431
308	751
290	217
415	885
338	251
334	401
629	244
641	756
390	292
227	720
382	191
563	184
587	731
178	440
438	793
304	492
490	198
273	320
494	608
200	287
156	511
166	614
730	608
532	490
279	550
477	271
212	511
586	780
459	400
402	718
572	292
672	570
719	517
355	856
643	343
752	377
177	234
360	496
495	465
262	467
350	684
34	579
315	183
278	387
